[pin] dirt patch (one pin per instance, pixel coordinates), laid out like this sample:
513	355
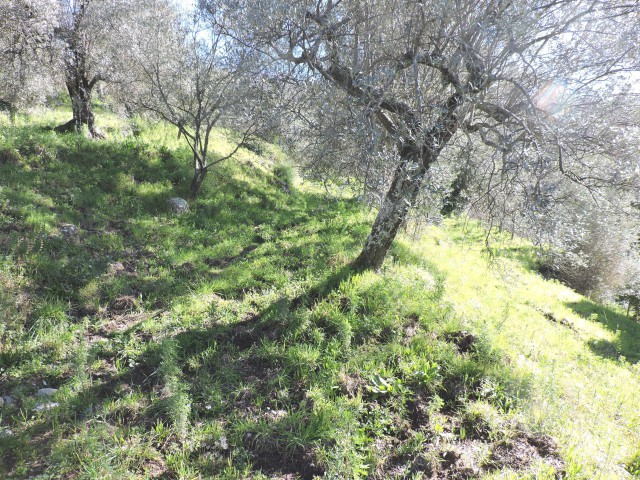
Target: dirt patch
418	409
463	340
459	463
475	428
122	323
411	329
123	304
243	336
279	467
154	468
522	451
561	321
118	269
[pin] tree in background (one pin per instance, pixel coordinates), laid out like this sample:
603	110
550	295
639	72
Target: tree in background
191	75
25	44
89	45
424	81
84	29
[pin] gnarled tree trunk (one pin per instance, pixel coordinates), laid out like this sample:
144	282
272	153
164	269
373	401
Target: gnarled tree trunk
78	77
400	197
80	91
416	159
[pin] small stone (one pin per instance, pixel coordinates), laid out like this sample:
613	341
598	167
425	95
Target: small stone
40	407
68	230
46	392
6	432
178	205
9	400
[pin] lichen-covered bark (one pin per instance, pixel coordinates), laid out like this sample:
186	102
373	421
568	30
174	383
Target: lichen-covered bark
401	196
80	93
408	177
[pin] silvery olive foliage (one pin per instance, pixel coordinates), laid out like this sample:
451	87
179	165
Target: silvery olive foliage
89	50
523	114
48	46
26	36
189	73
411	87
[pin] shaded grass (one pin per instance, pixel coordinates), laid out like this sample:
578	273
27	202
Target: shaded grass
233	341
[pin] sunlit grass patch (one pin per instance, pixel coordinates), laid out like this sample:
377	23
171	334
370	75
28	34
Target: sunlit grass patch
234	341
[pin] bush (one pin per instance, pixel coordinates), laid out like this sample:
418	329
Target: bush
9	156
595	259
284	175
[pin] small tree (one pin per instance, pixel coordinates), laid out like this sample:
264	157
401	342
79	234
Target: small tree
192	77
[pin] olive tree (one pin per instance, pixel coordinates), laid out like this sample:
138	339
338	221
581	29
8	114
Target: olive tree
25	41
424	81
89	49
189	74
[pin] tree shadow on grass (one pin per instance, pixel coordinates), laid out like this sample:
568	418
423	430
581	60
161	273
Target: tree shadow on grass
247	379
627	330
129	259
248	375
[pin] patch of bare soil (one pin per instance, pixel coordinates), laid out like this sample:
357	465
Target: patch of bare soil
463	340
282	467
460	462
244	336
411	329
561	321
522	451
154	468
122	315
123	304
419	412
465	449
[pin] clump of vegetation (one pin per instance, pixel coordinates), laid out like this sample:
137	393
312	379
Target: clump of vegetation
235	340
284	175
633	465
9	156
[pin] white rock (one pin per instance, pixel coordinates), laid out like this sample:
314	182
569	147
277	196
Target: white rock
46	392
178	205
40	407
68	230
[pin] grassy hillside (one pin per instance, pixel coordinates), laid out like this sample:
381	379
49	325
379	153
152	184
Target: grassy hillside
233	341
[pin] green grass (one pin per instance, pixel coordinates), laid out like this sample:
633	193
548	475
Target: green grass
233	341
583	358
